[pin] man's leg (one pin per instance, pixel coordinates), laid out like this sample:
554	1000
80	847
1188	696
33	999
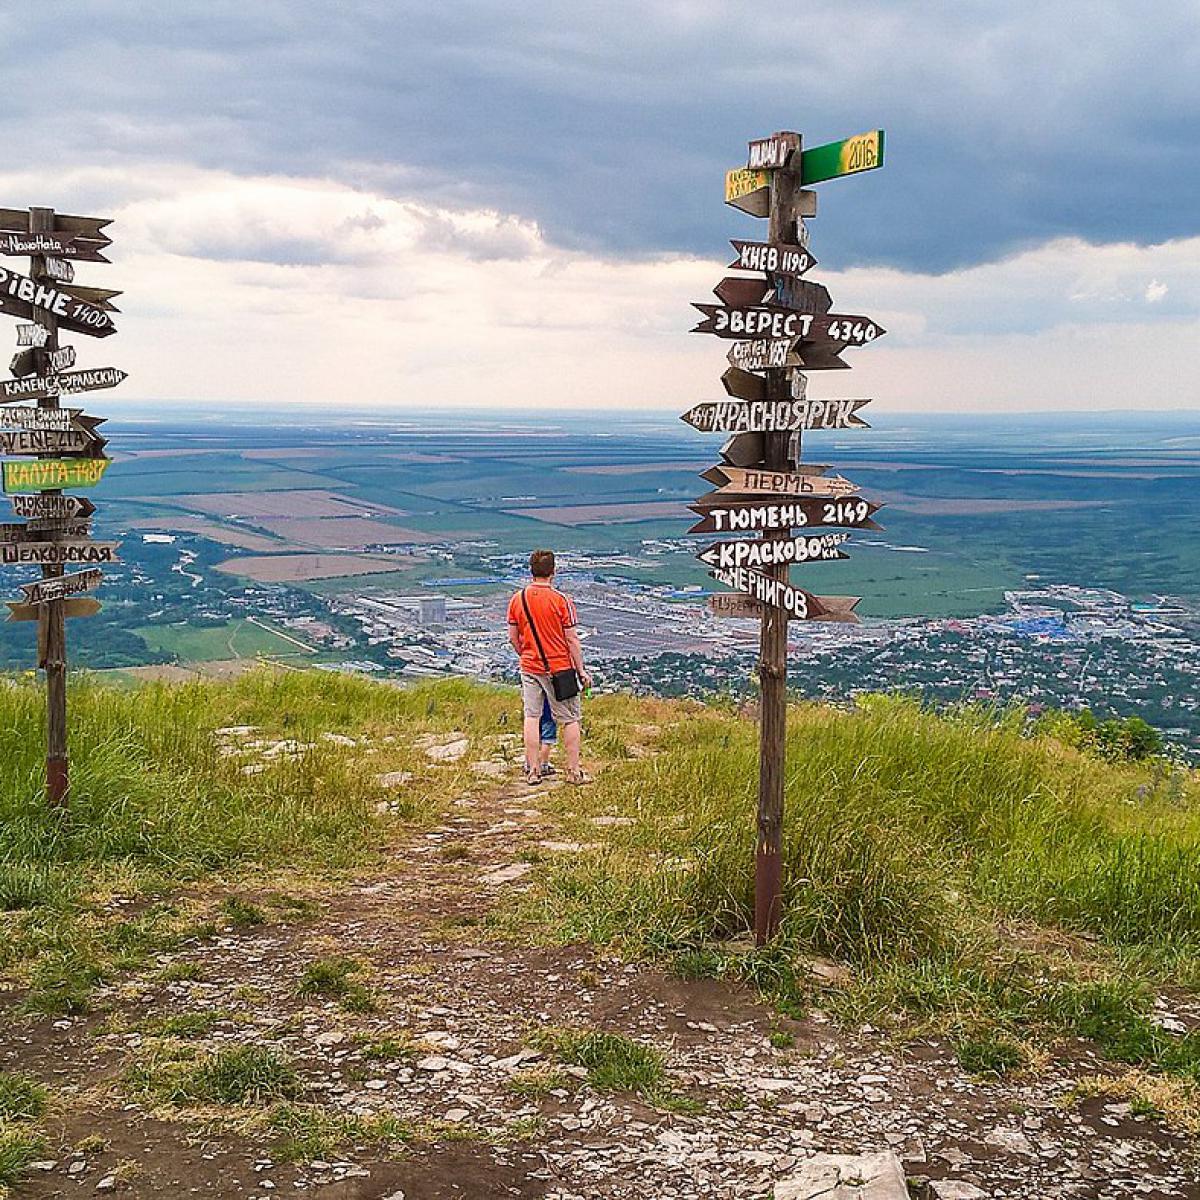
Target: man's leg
533	743
533	696
571	740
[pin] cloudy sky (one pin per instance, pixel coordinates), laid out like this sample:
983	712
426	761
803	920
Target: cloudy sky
473	202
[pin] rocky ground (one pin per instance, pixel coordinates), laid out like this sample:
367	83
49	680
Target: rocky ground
448	1044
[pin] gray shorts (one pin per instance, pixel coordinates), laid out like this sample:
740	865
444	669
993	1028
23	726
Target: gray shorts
536	688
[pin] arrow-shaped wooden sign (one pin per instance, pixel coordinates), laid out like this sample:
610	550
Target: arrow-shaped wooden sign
76	606
20	295
730	516
800	295
37	506
24	362
749	190
16	417
44	474
729	604
99	297
775	257
768	552
762	354
719	474
745	385
61	244
58	553
760	321
761	481
770	153
774	416
60	588
12	532
735	292
72	237
78	440
796	602
743	450
37	387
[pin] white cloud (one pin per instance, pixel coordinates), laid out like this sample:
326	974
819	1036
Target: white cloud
308	291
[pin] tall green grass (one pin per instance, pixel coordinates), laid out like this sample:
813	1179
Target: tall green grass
154	803
918	848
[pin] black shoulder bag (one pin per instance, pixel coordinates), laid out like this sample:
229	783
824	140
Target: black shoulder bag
565	683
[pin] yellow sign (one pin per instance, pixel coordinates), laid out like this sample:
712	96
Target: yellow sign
742	182
45	473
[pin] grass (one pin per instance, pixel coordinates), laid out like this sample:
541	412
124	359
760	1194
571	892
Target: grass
399	1047
155	804
615	1063
996	886
237	1075
333	979
21	1099
185	1025
17	1150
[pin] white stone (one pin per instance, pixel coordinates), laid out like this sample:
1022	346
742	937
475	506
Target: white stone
339	739
455	1115
394	779
846	1177
450	751
507	874
433	1063
1012	1140
107	1184
955	1189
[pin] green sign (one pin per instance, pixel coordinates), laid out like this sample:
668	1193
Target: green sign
863	152
43	474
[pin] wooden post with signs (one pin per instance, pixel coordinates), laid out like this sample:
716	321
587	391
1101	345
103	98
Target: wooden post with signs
63	445
782	327
52	620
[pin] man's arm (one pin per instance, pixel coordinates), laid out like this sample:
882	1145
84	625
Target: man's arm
514	637
576	651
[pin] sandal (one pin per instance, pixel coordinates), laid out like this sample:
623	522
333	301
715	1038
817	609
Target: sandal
578	778
533	778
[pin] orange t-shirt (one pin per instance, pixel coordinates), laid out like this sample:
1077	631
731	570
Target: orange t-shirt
554	614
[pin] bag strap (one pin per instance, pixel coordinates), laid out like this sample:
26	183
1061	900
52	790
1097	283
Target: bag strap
536	636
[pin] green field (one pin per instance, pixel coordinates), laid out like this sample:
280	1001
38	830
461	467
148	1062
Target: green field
234	639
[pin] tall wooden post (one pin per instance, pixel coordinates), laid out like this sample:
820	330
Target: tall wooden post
52	625
772	655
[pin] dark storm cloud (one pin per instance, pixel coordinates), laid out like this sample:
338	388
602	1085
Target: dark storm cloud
611	123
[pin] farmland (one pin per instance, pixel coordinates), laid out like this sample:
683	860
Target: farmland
314	525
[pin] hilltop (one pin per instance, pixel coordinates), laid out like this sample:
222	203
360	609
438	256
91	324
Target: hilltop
303	931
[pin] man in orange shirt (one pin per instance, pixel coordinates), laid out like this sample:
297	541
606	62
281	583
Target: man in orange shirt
547	646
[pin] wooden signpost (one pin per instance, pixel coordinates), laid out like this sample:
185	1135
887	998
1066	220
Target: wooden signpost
772	258
21	296
51	506
760	321
770	552
778	483
765	416
749	514
64	448
38	387
782	329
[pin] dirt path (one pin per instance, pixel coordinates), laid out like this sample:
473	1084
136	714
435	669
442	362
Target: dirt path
503	1119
